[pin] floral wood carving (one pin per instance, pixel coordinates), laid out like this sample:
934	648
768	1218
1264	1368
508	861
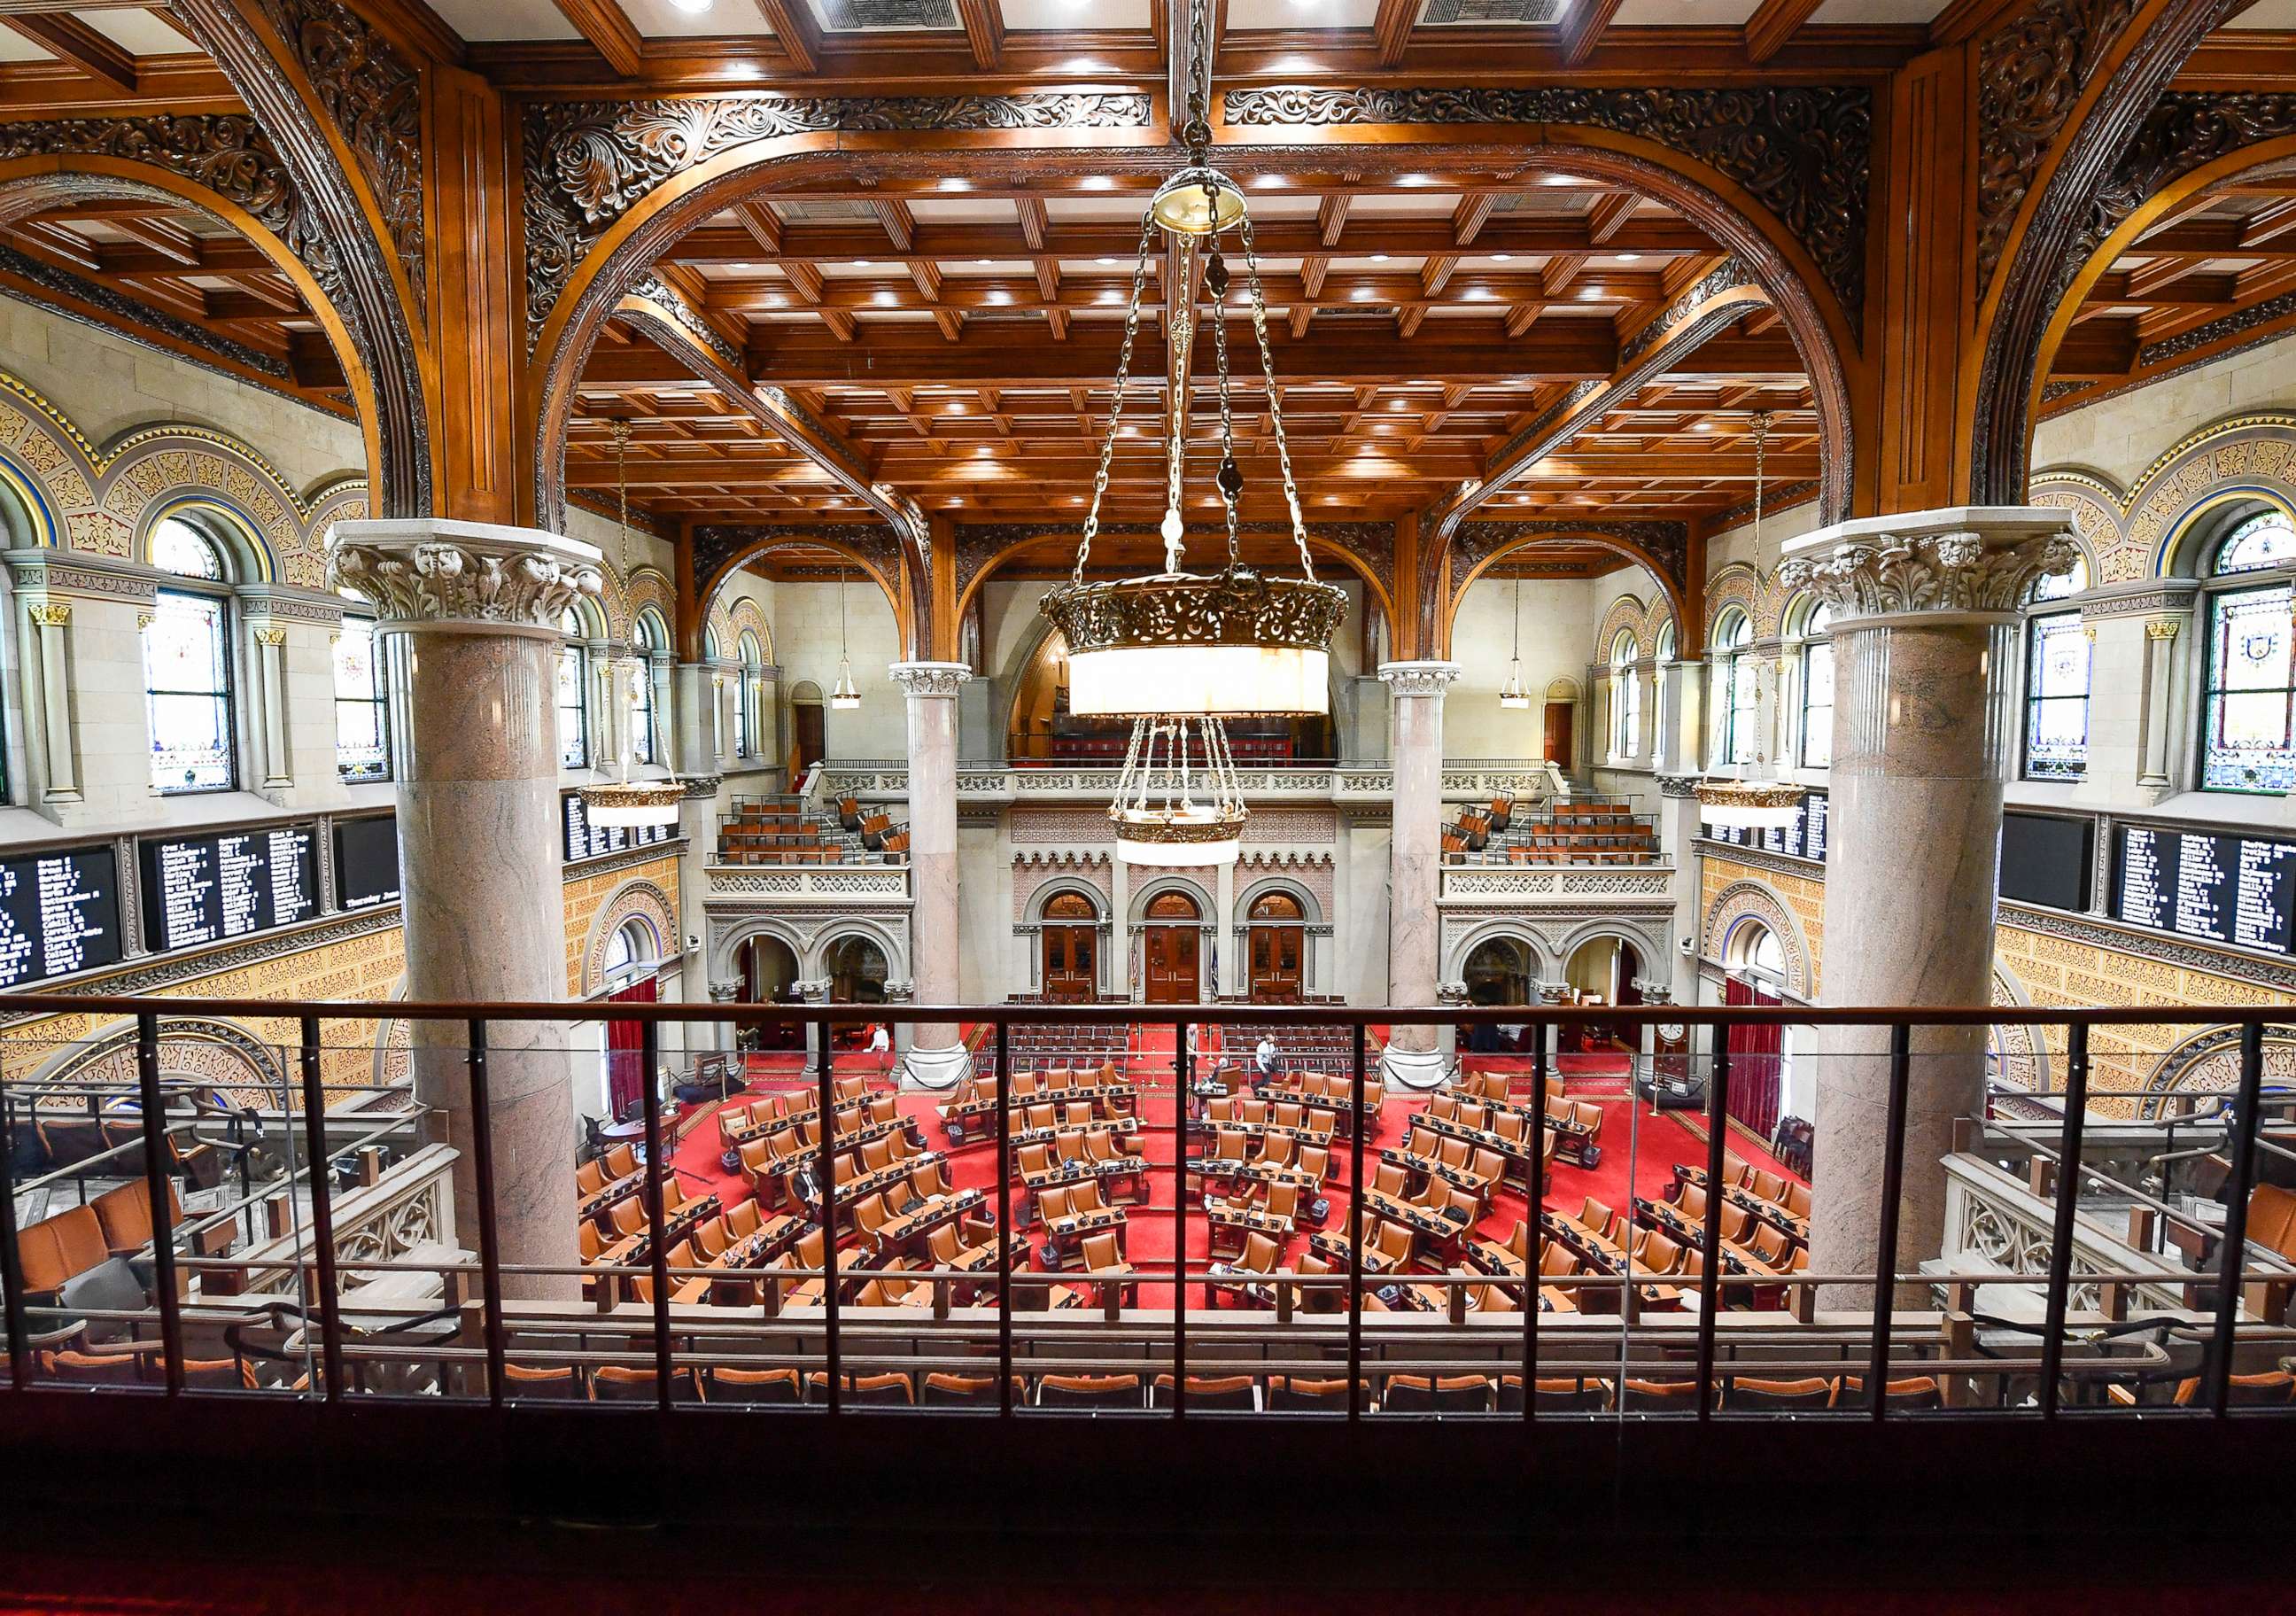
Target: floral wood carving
1667	543
376	99
2184	130
715	548
1805	153
587	163
2031	73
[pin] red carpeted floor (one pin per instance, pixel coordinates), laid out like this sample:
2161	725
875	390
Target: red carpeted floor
1640	1150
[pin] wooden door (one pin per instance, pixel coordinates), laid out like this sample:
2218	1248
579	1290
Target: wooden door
1171	959
811	743
1275	942
1558	733
1068	959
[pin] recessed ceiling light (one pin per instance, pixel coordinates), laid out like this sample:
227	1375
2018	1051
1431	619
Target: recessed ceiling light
1503	258
1379	257
692	8
983	263
864	263
1103	263
1630	258
1706	426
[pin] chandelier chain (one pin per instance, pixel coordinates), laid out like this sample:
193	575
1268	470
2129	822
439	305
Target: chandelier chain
1115	410
1217	313
1274	399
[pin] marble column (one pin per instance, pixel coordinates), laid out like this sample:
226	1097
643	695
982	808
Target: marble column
1416	1056
473	610
1924	631
937	1057
697	823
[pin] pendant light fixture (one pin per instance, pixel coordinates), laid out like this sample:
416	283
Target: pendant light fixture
846	696
627	803
1753	801
1178	651
1512	693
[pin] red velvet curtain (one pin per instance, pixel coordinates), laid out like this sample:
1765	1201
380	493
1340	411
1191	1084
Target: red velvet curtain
625	1066
1754	1075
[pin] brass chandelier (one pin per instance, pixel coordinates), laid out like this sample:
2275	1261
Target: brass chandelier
630	803
1178	651
1746	802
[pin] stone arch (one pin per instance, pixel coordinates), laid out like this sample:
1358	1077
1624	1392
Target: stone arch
883	936
1458	950
727	935
1627	615
747	618
2141	533
632	900
1761	598
1174	880
644	588
263	204
223	1054
2021	1059
2207	1064
1067	886
1743	900
905	625
1311	907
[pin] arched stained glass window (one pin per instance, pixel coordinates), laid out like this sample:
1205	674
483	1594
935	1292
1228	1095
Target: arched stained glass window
2248	715
645	740
1817	687
187	665
1626	697
2057	681
573	708
362	707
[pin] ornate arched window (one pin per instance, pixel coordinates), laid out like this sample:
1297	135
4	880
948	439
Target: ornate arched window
632	944
573	681
362	704
1662	651
653	641
2056	680
745	697
1070	907
1626	697
1754	949
2248	715
1737	712
187	663
1816	634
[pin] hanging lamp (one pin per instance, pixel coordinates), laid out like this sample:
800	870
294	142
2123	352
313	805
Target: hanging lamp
1745	802
846	695
628	804
1512	693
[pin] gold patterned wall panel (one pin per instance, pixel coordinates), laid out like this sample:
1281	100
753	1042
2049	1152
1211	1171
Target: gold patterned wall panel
587	895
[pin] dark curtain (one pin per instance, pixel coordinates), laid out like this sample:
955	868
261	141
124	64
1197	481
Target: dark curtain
625	1065
1754	1075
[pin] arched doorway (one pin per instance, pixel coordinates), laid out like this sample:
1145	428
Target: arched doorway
1602	971
857	972
768	968
1171	944
1070	943
1498	971
1274	948
1562	718
809	735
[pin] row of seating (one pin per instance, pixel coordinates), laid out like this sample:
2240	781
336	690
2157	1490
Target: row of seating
59	1249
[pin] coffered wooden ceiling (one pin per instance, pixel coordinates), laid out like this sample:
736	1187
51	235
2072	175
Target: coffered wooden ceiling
961	344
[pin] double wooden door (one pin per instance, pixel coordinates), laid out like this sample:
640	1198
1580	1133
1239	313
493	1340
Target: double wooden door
1069	970
1171	957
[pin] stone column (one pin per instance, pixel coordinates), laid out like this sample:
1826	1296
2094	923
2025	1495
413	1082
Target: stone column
937	1057
696	752
1677	835
270	658
1924	629
1416	1056
697	823
474	611
51	682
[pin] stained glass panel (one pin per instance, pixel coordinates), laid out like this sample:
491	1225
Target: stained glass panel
187	694
2057	698
2250	713
361	720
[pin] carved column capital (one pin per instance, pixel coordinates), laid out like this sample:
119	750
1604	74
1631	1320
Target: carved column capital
929	679
1418	679
1678	786
2164	629
432	572
50	614
1965	560
701	788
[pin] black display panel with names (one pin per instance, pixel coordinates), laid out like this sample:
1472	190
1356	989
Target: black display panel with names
2239	891
1805	838
59	912
588	840
366	861
202	889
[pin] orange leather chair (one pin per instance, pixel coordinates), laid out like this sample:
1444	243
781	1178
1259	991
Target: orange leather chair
126	1215
56	1250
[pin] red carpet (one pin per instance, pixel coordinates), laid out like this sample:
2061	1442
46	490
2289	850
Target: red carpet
1639	1148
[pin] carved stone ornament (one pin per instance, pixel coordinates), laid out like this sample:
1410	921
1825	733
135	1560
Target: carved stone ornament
1418	679
50	614
1678	786
1804	152
430	572
1949	571
588	162
929	679
701	788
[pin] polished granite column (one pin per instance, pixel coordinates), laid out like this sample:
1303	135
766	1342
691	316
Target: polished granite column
471	613
937	1057
1924	725
1416	1056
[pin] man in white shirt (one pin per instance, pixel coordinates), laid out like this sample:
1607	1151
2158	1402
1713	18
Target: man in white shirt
1264	1057
881	1044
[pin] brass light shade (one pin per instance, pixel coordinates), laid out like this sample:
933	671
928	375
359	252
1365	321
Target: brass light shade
1197	201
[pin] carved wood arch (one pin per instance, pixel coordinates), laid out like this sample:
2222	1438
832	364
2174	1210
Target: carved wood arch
262	212
2064	88
723	563
1677	600
304	68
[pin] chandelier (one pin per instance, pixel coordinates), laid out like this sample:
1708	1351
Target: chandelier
1744	802
628	804
1157	820
846	695
1179	644
1512	693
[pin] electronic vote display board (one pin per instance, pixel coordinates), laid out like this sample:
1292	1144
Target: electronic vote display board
366	861
1805	838
2045	859
59	912
205	889
588	840
2216	889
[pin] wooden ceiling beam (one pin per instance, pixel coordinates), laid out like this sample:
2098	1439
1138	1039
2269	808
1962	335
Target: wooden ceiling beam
1774	23
984	30
1583	25
795	32
1391	27
608	27
66	36
1103	294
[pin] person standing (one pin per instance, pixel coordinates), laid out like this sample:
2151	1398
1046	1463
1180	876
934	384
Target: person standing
1263	1059
881	1046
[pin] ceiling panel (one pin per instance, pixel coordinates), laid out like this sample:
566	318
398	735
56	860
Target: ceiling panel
489	20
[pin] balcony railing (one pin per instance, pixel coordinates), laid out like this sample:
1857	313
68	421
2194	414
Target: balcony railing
380	1299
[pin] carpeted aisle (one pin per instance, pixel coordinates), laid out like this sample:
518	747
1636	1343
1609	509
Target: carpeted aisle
1640	1150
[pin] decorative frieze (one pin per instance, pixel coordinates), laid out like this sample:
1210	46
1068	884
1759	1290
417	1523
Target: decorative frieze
1940	561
